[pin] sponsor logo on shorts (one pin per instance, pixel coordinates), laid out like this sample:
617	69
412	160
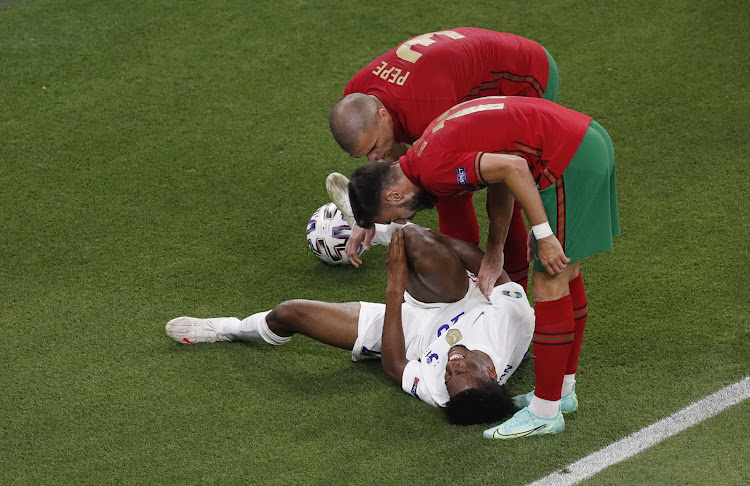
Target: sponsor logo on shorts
414	387
515	294
461	176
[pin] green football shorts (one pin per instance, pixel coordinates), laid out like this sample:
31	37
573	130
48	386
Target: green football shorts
553	80
582	205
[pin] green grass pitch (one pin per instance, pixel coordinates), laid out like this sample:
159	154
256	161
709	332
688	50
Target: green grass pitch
161	158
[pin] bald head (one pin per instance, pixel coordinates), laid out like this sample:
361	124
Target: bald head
351	116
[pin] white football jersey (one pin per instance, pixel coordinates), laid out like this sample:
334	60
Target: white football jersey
501	327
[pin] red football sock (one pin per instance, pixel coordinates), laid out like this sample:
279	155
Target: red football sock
553	337
580	313
516	265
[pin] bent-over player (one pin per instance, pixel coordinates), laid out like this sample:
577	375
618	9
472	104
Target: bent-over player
390	102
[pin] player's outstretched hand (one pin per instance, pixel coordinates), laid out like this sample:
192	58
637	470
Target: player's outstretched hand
552	255
359	236
490	270
396	268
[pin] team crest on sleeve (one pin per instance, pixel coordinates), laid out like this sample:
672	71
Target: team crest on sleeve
453	336
461	176
515	294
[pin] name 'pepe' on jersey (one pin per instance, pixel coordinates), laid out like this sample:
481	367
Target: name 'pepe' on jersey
445	160
426	75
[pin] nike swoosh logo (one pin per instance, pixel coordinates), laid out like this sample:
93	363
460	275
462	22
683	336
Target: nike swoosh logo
498	435
189	341
475	320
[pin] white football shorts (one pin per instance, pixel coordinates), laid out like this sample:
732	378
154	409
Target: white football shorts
417	319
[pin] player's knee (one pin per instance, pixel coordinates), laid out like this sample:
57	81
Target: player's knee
411	233
285	316
417	240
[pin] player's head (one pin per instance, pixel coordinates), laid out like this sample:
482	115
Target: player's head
467	369
491	403
362	126
476	397
380	193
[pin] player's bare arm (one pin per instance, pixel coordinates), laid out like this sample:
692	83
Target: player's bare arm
393	357
514	172
500	212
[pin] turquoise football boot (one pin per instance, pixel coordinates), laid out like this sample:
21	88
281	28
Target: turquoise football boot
526	423
568	403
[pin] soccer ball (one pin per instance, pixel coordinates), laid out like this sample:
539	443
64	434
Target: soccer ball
327	234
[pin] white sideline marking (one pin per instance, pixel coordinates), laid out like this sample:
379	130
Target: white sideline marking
649	436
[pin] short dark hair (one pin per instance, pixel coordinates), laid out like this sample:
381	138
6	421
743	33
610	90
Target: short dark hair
491	403
366	188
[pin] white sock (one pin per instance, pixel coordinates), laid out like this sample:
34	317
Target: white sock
544	408
252	327
231	328
568	382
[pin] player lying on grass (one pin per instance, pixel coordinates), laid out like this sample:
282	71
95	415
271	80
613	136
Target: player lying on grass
447	344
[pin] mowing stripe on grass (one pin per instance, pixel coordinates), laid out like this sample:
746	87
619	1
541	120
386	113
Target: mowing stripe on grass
649	436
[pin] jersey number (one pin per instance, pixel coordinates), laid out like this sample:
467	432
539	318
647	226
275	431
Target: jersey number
450	114
404	50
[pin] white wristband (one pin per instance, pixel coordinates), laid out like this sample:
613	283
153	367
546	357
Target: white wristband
542	230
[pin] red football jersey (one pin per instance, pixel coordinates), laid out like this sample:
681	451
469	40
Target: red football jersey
421	78
544	133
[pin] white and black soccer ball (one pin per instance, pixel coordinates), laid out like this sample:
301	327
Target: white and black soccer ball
327	234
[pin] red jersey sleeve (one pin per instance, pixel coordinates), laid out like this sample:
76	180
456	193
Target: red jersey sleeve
442	174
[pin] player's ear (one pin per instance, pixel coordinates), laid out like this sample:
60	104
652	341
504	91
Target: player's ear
383	116
492	373
393	196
